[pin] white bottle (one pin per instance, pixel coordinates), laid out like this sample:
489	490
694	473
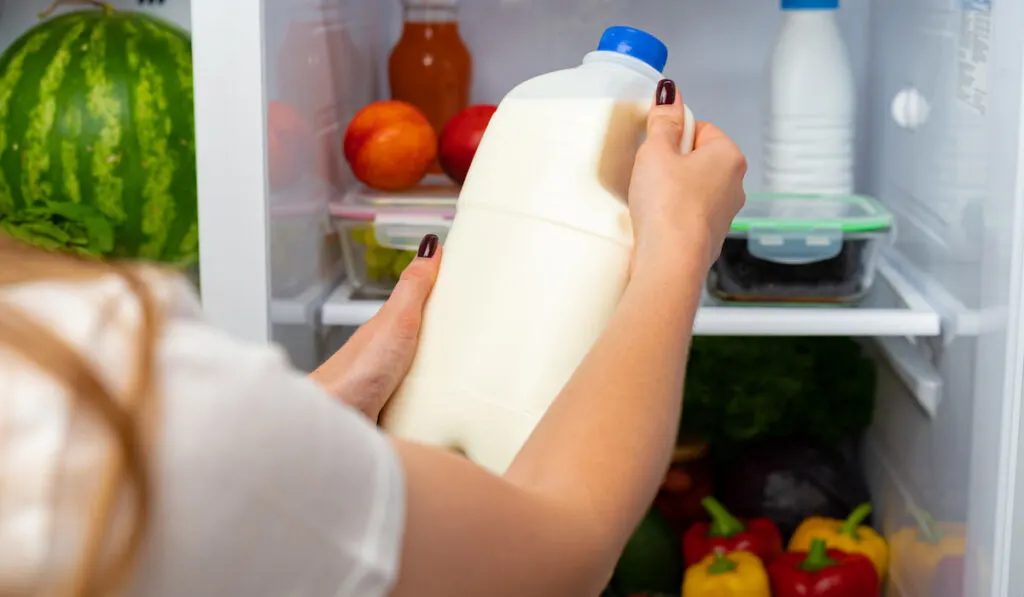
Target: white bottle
537	256
808	134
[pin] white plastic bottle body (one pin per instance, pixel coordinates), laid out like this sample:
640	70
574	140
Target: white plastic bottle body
808	138
535	262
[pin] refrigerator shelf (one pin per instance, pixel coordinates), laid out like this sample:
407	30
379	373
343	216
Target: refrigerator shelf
895	309
300	309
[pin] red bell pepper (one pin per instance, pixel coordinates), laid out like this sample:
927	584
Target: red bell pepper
823	572
727	533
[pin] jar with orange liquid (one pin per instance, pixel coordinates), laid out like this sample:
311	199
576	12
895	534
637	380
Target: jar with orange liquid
430	66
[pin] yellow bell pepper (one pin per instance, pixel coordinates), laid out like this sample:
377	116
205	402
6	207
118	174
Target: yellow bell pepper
917	552
727	575
845	535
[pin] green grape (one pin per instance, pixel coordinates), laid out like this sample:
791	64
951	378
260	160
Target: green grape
382	263
376	272
358	235
378	257
370	238
402	261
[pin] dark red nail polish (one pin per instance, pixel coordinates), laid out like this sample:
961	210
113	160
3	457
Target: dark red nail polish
666	93
428	246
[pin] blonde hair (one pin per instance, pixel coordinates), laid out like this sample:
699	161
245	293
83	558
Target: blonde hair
102	568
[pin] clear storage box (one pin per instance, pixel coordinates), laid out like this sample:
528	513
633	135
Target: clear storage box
381	232
801	249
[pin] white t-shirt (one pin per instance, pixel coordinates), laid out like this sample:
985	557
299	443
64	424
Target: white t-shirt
265	486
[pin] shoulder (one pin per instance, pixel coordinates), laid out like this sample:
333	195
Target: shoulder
258	462
253	463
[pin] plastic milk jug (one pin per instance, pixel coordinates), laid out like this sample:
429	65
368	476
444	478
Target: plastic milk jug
537	256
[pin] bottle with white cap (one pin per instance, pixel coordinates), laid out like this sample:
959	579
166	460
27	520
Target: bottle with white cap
808	134
537	256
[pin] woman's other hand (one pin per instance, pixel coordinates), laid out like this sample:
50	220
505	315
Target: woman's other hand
677	200
367	370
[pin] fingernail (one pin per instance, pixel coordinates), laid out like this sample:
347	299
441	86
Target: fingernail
666	93
428	246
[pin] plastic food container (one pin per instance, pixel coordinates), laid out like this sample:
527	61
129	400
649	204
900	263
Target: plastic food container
801	249
302	253
380	234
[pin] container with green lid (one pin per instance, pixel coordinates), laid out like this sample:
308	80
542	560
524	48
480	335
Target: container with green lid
801	249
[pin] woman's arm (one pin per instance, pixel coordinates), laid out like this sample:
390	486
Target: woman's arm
557	521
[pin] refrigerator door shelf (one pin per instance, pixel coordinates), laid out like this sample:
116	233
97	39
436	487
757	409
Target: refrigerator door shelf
301	309
958	320
916	371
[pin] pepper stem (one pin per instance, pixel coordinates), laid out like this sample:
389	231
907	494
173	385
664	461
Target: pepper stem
106	6
817	558
855	520
723	524
721	565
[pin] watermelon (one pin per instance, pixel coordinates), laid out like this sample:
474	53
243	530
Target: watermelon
96	111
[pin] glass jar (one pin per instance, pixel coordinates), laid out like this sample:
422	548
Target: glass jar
430	67
320	75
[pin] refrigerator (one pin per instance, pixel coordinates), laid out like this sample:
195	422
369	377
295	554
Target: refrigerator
940	133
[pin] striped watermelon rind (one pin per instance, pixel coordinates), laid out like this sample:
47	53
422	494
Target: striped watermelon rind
96	109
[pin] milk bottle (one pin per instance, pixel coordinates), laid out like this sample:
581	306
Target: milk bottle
808	137
537	256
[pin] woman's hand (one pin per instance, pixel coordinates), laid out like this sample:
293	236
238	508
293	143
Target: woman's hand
366	371
678	200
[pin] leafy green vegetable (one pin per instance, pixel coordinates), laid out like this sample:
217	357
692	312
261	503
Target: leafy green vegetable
744	389
69	227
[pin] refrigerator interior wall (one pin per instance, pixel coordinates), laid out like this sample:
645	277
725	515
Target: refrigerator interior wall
717	50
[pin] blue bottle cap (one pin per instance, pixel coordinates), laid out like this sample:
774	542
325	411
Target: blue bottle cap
638	44
810	4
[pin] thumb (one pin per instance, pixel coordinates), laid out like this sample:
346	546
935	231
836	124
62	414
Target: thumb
667	118
414	286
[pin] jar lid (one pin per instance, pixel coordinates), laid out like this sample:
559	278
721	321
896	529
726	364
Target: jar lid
803	212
